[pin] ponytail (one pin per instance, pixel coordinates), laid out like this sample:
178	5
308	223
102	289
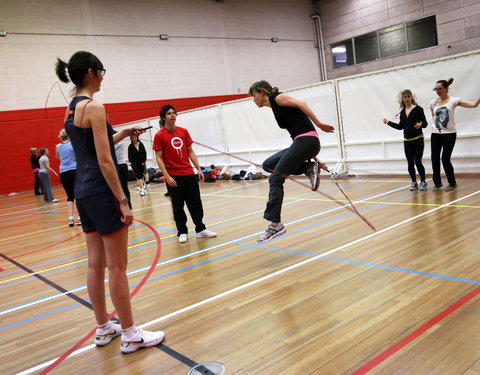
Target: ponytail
446	83
61	70
262	86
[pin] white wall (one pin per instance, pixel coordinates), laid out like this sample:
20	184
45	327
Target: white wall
362	144
215	48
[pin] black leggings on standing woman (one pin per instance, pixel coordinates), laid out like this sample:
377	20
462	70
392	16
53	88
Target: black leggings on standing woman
414	154
447	142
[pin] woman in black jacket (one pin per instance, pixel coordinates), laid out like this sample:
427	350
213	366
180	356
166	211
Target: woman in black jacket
412	121
137	157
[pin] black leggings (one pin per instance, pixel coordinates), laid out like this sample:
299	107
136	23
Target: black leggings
414	154
447	142
68	182
293	160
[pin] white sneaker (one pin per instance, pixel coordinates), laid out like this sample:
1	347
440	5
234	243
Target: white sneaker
206	234
143	192
183	238
146	185
54	200
104	336
141	339
71	223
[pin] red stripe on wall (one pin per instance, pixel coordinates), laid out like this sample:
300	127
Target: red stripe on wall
26	128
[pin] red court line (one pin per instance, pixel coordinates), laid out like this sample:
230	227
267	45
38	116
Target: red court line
412	336
132	294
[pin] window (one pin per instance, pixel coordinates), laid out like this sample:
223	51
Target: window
366	47
342	54
422	33
387	42
393	41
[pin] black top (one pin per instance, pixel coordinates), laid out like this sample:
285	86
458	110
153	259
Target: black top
89	179
293	119
137	156
34	161
407	123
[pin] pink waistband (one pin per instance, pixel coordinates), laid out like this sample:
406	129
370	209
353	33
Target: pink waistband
35	170
311	133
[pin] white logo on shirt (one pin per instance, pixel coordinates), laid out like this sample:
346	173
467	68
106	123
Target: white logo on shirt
177	144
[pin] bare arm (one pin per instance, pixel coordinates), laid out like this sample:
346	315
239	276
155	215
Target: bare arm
127	132
47	165
56	152
96	116
467	104
288	101
193	158
169	179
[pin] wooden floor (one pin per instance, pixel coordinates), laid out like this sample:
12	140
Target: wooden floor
329	297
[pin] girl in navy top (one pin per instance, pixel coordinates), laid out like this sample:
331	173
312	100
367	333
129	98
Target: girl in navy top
296	117
412	121
101	202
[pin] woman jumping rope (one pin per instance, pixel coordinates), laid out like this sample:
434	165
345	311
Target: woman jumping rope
296	117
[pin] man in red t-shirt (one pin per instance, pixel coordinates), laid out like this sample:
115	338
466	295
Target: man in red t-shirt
173	151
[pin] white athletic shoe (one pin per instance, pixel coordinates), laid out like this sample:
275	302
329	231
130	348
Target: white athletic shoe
141	339
183	238
206	234
143	192
106	335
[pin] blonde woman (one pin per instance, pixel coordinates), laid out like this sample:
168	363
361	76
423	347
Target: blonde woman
68	166
412	121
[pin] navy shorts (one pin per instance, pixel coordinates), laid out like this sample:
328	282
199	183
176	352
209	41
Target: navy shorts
100	213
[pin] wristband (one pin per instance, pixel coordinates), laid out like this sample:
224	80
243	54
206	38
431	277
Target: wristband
123	200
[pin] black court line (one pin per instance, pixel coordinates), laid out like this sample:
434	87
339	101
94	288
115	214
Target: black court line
164	348
49	282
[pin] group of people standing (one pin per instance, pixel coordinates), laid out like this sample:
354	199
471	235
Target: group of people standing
444	134
104	204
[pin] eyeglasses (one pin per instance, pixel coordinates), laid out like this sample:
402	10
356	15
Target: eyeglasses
438	88
103	71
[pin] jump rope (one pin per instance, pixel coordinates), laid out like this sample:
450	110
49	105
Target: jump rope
158	252
351	208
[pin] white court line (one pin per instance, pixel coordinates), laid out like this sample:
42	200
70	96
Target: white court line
234	241
261	279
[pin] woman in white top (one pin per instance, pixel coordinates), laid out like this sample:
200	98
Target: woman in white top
444	132
45	168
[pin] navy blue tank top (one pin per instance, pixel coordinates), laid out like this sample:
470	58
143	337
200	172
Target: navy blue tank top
89	179
294	120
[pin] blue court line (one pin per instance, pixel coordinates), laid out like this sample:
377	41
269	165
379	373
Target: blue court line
250	245
294	232
370	264
131	286
37	317
169	230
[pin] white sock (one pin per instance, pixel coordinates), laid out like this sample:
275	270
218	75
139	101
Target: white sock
106	325
129	332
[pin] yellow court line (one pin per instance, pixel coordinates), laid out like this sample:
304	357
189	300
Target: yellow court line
345	201
30	233
130	247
